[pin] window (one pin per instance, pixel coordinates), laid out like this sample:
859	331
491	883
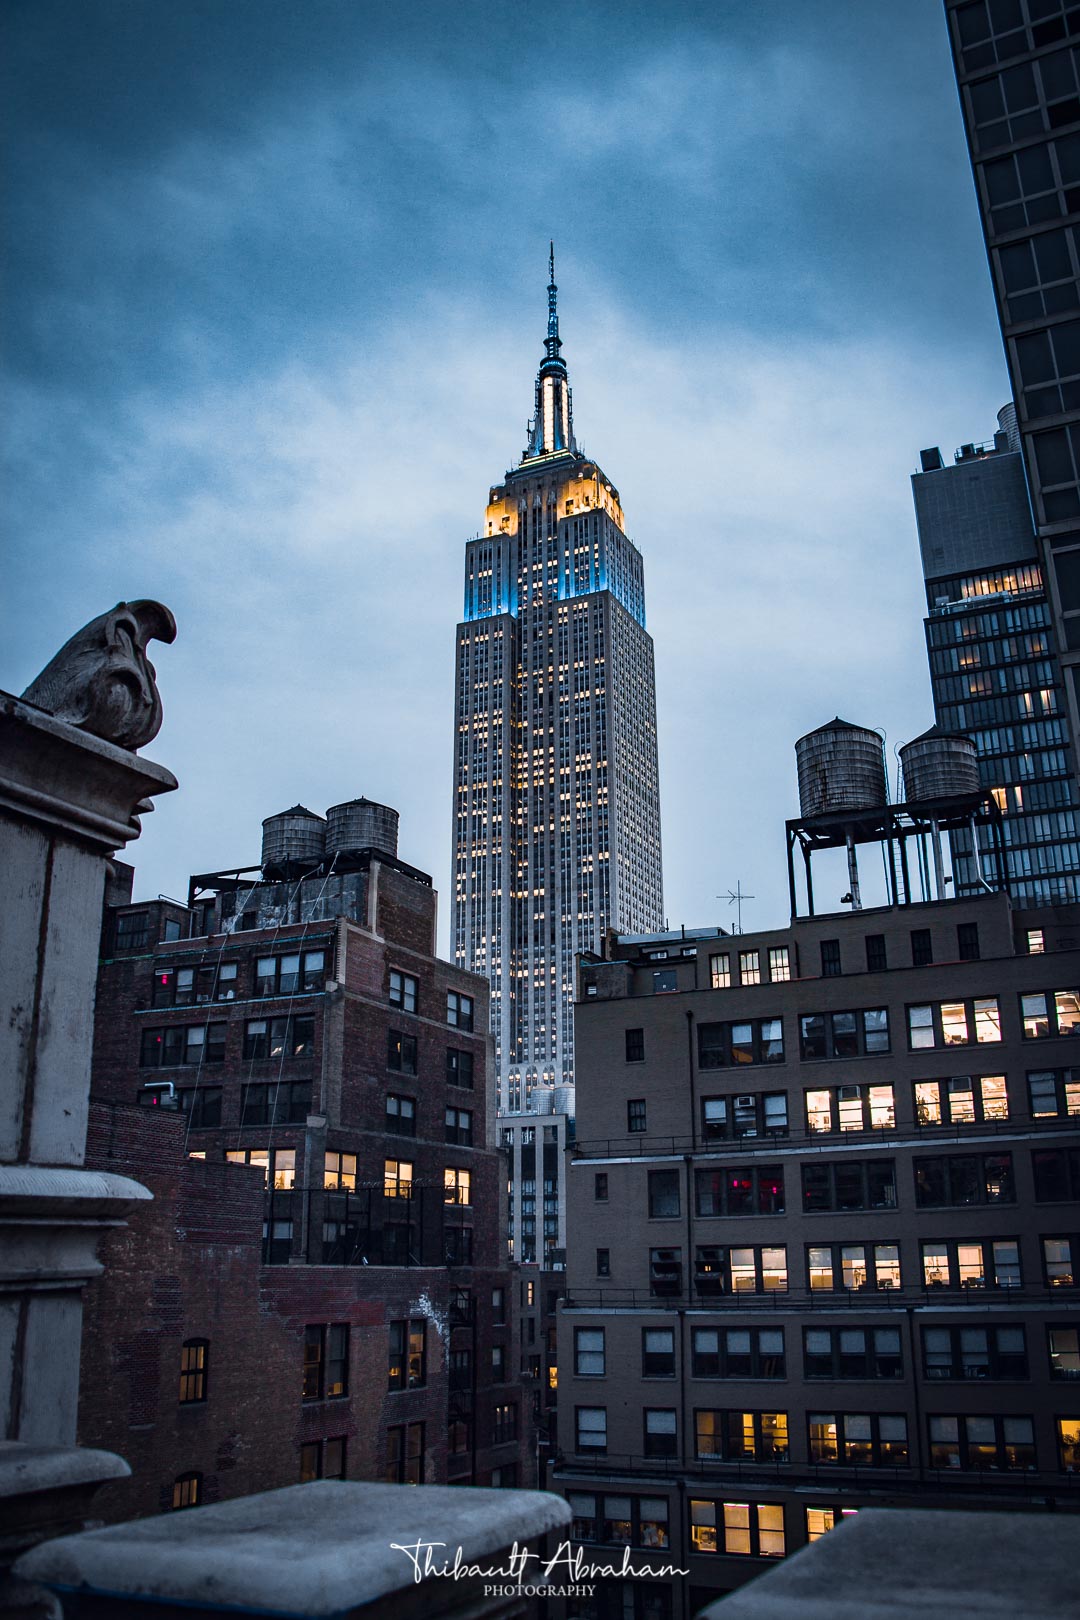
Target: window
600	1187
850	1108
971	1263
397	1178
663	1193
279	1038
922	949
843	1034
635	1114
967	941
339	1171
400	1115
133	934
202	1105
820	1520
589	1352
193	986
405	1454
625	1521
749	1529
403	991
657	1353
665	1271
741	1436
187	1488
661	1437
982	1444
749	967
590	1429
635	1046
970	1178
1063	1344
1058	1255
747	1115
724	1269
298	973
459	1068
856	1438
400	1052
853	1266
457	1186
287	1103
1057	1174
459	1010
849	1184
737	1352
965	1099
322	1459
876	958
408	1355
603	1262
720	971
179	1044
760	1040
974	1352
830	959
740	1190
278	1165
1054	1093
193	1354
841	1352
954	1023
1035	940
779	964
459	1126
326	1361
458	1245
1050	1012
1068	1444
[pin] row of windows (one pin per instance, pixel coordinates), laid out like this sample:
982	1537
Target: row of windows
847	1267
975	1444
177	1045
404	993
748	1529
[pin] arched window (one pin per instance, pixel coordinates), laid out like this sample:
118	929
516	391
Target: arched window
187	1490
193	1365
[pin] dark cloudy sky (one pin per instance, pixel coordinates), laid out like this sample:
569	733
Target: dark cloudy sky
273	305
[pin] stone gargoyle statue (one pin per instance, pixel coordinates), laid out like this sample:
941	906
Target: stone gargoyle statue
102	681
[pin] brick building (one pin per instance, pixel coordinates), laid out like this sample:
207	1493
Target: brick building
306	1089
824	1234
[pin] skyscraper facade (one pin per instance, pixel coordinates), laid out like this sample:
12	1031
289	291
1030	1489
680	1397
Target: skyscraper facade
556	796
993	663
1018	69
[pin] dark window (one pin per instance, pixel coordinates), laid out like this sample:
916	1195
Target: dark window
737	1352
1063	1346
661	1436
132	931
843	1352
326	1361
179	1045
603	1262
400	1052
663	1192
1054	1093
657	1353
635	1114
459	1010
286	1103
740	1190
922	947
193	1369
851	1184
202	1105
967	941
590	1429
505	1424
624	1521
405	1454
974	1352
665	1271
750	1114
296	973
1057	1174
400	1115
277	1038
843	1034
408	1354
1059	1256
759	1040
876	959
848	1437
969	1178
600	1187
979	1444
193	986
323	1459
459	1068
458	1245
589	1352
459	1123
830	959
404	990
635	1046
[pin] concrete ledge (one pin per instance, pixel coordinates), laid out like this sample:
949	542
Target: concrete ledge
26	1470
317	1551
890	1564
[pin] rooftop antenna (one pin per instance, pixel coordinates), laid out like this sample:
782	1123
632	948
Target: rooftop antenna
735	897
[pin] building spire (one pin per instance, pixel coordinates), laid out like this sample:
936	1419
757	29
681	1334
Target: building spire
552	427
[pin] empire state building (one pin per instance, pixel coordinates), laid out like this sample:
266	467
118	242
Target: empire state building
556	795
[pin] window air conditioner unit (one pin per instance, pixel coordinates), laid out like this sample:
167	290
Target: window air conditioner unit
744	1102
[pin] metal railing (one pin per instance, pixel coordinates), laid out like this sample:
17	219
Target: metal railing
366	1226
645	1145
797	1300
